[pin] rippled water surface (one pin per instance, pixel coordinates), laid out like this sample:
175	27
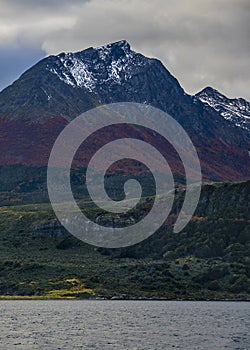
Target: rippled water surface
137	325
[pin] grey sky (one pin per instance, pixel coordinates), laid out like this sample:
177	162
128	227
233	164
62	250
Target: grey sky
201	42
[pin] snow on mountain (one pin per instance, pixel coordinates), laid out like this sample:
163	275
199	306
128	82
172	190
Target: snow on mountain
38	106
111	63
102	67
235	110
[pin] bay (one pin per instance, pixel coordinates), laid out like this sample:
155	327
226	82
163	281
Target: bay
123	325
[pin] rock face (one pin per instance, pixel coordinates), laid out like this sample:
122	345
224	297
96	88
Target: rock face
235	110
35	108
93	68
50	229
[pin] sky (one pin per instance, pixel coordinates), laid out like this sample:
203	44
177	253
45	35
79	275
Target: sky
201	42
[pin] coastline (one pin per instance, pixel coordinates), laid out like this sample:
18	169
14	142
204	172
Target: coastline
117	298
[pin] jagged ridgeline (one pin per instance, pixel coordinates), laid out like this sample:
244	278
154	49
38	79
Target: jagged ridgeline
37	107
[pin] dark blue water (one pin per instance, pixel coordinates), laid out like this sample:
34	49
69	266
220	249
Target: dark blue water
130	325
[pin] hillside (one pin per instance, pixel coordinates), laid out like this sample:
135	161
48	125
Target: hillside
208	260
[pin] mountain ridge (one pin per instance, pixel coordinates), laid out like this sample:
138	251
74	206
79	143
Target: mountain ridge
235	110
40	103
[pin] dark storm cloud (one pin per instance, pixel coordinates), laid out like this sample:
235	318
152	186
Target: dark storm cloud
201	42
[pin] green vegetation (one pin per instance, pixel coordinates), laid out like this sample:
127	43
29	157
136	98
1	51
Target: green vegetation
209	259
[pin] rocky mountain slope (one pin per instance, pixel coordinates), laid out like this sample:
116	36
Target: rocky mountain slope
235	110
35	108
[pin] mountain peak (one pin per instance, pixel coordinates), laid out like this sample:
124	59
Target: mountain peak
211	92
235	110
208	90
105	74
36	108
110	63
122	45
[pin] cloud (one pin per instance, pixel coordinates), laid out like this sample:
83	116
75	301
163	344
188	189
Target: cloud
201	42
33	21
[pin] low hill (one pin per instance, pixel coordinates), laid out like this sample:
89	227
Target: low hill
209	259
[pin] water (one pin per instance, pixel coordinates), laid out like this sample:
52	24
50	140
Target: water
130	325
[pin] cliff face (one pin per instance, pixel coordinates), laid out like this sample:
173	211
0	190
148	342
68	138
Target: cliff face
219	228
221	220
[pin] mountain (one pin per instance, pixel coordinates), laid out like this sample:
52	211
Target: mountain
69	84
235	110
207	260
35	108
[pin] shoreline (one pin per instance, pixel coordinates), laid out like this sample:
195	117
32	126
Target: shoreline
116	298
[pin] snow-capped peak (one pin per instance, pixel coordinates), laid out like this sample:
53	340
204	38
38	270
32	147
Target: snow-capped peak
235	110
73	71
111	63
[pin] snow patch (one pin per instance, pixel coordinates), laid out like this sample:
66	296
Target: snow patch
107	67
236	111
